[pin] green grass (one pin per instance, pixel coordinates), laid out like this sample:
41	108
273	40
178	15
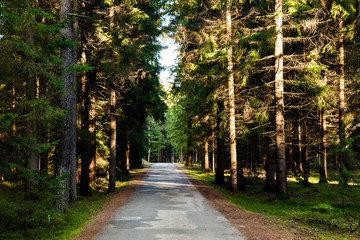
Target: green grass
331	211
39	211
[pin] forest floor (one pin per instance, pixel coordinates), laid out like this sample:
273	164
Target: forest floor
251	225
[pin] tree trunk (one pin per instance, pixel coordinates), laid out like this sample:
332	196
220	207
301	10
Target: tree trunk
31	124
220	148
149	147
233	159
213	150
206	156
92	129
112	172
342	159
240	170
299	167
127	155
85	135
322	157
270	166
181	155
279	104
73	164
305	155
291	164
67	144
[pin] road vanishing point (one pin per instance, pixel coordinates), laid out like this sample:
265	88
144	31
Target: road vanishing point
166	205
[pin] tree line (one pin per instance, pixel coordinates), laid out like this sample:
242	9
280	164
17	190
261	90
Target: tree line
267	83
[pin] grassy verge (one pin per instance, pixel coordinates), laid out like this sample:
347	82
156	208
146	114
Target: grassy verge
44	223
329	211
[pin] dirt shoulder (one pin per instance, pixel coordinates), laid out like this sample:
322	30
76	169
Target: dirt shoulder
104	215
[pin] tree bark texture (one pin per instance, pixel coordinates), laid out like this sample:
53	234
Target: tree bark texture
67	144
323	159
279	104
305	154
92	129
220	147
206	156
342	159
85	135
270	165
31	123
73	164
231	87
112	172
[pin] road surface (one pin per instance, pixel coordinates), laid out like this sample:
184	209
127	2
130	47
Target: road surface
167	206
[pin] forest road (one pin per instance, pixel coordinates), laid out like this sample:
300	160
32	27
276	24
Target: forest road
166	205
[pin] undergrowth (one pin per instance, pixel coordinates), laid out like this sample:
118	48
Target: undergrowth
34	217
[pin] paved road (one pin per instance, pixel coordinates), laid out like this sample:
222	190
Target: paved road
167	206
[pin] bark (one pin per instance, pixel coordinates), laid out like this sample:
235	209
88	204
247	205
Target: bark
279	104
291	164
112	172
213	150
85	135
31	124
67	144
270	166
189	152
149	147
181	155
220	147
73	167
240	170
253	151
233	159
92	129
206	156
299	167
342	159
127	155
322	157
305	155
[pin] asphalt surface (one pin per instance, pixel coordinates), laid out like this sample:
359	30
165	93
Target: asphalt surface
167	206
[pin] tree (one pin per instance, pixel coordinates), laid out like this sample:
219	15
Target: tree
279	103
67	144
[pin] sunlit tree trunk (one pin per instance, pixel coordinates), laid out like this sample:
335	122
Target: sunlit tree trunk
342	161
233	159
127	155
206	157
85	135
279	104
67	144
